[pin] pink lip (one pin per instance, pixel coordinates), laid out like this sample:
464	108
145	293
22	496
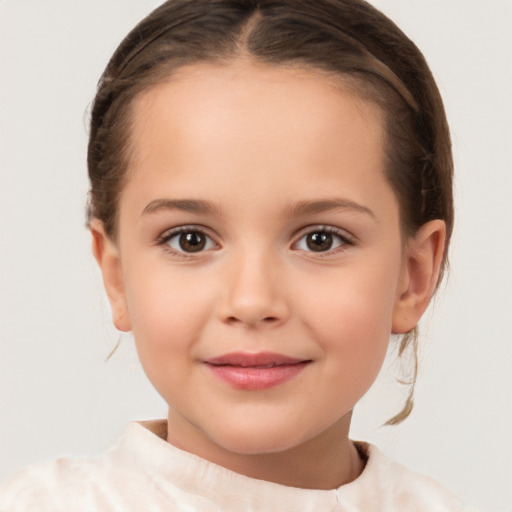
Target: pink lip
255	372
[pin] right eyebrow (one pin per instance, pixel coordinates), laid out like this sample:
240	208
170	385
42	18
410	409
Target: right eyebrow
184	205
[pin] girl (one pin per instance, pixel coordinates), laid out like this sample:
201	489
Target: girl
271	199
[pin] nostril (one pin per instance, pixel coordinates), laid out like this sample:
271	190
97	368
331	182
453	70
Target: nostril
265	320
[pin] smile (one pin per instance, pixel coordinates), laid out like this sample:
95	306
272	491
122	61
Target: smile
255	372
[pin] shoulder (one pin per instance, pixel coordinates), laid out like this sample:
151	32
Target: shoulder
48	486
386	485
123	478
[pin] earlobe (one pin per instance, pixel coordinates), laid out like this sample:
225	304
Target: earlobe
106	254
420	272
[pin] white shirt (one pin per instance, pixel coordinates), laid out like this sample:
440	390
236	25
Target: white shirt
144	473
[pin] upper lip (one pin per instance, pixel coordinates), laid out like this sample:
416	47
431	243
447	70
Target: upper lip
246	359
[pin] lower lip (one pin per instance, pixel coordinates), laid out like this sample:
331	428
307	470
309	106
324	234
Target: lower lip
257	379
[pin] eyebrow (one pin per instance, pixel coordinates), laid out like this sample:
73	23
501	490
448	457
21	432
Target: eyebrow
185	205
200	206
325	205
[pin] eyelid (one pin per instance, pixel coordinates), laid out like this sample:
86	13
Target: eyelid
347	238
172	232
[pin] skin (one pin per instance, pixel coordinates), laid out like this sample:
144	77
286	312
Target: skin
277	153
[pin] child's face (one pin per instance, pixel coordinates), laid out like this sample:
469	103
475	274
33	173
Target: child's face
257	220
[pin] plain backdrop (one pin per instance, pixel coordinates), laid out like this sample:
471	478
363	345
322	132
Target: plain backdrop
58	396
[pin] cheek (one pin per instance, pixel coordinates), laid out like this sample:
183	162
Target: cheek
355	303
352	321
357	338
167	312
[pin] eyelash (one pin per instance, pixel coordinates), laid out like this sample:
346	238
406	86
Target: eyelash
167	236
344	240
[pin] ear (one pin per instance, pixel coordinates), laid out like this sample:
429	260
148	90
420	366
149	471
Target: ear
420	272
107	255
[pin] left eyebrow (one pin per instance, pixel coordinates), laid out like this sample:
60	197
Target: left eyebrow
185	205
325	205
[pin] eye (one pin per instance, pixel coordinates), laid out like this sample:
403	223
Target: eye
322	240
188	241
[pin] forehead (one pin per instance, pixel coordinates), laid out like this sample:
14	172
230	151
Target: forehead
252	139
261	105
281	132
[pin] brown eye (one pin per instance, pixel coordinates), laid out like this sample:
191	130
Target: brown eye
320	241
189	241
192	241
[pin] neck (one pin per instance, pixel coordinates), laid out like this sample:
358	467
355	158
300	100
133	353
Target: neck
324	462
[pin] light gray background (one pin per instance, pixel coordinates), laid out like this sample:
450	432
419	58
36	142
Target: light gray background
58	397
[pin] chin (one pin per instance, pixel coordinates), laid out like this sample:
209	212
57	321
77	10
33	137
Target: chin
250	441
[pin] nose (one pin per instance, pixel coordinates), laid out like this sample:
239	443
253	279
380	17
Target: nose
254	293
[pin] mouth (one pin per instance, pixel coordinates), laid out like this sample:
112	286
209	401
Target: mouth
255	372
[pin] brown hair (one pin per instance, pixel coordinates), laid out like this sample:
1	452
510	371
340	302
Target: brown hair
346	38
